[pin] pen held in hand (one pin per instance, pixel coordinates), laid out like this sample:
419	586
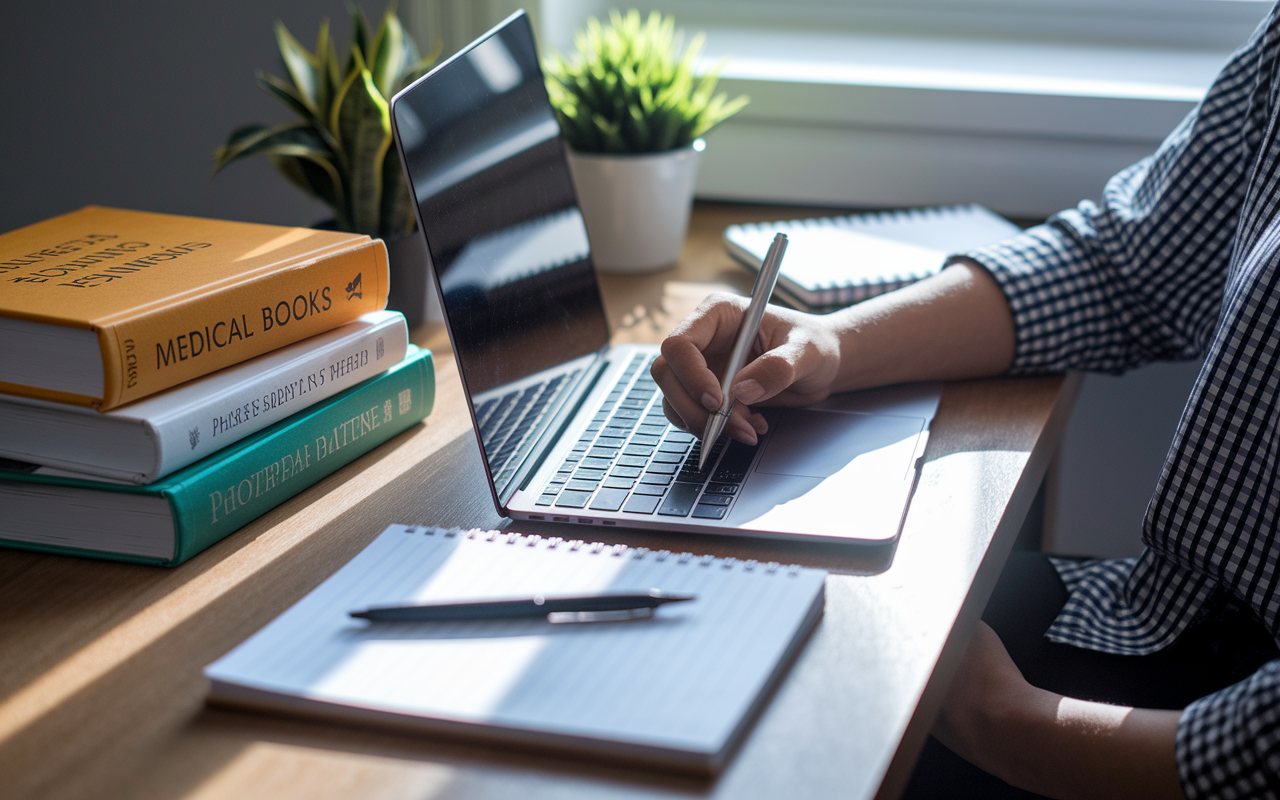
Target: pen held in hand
536	606
761	291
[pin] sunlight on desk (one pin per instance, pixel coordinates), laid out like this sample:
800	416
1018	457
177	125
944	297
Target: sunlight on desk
652	311
284	772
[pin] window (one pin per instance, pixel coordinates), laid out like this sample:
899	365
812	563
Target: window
1023	105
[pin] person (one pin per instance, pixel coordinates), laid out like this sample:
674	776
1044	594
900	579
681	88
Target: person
1157	676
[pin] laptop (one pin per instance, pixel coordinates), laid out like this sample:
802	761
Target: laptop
571	428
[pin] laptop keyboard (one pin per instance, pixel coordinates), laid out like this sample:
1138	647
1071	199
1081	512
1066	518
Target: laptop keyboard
631	459
505	423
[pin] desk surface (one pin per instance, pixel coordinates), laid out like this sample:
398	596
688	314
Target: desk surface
101	692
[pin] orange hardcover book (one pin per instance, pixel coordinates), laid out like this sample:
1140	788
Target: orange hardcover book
104	306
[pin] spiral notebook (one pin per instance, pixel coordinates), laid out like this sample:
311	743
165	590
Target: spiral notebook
678	689
835	261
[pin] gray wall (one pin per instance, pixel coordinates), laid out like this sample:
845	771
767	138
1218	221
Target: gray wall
123	104
1111	457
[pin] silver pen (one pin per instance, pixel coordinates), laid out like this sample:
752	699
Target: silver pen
761	291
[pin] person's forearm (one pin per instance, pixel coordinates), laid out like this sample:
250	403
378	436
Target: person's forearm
956	324
1062	747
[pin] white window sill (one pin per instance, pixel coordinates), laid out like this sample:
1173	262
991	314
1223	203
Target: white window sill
877	120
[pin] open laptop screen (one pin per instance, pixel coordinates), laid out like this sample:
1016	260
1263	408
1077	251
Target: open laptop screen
483	151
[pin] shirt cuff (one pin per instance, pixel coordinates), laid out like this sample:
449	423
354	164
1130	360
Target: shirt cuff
1064	316
1228	744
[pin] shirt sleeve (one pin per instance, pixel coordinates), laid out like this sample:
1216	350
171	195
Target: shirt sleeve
1140	277
1228	743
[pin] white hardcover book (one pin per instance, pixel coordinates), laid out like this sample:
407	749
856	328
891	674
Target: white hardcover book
146	440
836	261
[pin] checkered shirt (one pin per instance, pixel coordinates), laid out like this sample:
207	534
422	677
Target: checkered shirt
1182	259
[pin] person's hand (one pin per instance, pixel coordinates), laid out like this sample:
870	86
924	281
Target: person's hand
793	362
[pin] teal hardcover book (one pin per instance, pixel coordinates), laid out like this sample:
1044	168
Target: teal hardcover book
171	520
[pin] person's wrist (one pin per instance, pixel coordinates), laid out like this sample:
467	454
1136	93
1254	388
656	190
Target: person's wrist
1018	723
854	358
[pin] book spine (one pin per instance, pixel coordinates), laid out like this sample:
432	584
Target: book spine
201	429
284	460
166	345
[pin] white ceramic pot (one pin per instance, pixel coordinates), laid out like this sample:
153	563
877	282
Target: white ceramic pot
636	206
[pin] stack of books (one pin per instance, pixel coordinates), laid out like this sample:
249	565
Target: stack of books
166	379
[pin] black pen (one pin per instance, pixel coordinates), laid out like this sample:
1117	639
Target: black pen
536	606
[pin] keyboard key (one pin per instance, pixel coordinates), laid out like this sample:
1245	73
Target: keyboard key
717	499
673	447
626	472
547	499
680	500
650	489
655	478
644	439
602	452
609	499
627	413
680	436
636	450
640	504
584	474
668	458
619	483
707	511
663	469
573	499
611	441
591	462
651	430
581	486
722	488
632	461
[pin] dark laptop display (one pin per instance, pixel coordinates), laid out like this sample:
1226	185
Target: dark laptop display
496	202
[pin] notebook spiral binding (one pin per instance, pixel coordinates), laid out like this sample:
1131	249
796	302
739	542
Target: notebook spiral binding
600	548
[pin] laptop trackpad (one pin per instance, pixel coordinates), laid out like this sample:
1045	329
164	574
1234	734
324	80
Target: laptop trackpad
818	443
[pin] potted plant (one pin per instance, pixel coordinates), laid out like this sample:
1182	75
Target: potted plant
340	150
633	113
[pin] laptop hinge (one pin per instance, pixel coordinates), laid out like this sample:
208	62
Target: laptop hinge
556	426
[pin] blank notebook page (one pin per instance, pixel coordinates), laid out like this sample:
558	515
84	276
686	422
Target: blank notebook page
678	686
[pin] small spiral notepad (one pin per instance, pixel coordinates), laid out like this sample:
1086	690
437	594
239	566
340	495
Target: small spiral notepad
678	689
835	261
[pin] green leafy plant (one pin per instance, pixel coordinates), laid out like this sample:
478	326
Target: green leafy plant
341	151
631	90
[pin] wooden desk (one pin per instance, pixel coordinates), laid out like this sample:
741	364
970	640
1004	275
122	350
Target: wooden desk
101	693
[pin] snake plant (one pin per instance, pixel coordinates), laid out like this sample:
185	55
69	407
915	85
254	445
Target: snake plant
341	151
631	90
